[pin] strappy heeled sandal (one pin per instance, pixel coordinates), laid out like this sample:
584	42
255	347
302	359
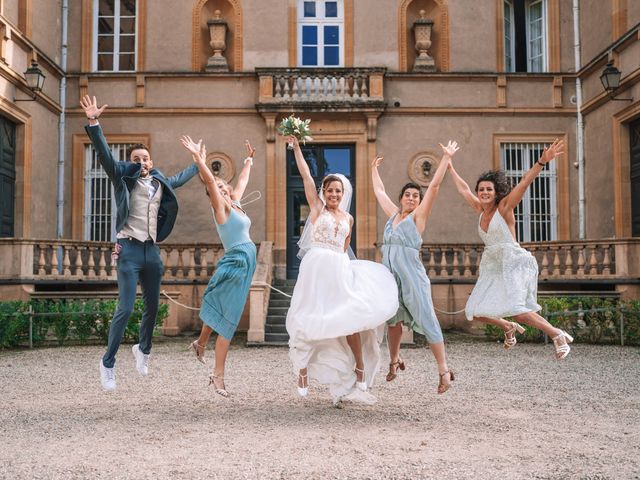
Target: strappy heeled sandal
220	391
195	346
510	335
393	369
363	384
443	387
304	389
562	349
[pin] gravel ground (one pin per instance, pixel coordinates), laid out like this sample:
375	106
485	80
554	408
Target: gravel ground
509	415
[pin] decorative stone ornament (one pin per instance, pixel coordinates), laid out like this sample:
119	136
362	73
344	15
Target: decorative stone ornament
422	168
422	29
218	32
222	166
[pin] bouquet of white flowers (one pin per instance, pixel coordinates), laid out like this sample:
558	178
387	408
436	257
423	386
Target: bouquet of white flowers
293	126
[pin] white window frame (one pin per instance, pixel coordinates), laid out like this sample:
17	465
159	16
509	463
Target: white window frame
116	38
320	21
509	34
94	208
532	210
543	35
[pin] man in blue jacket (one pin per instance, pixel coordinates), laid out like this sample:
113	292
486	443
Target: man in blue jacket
146	212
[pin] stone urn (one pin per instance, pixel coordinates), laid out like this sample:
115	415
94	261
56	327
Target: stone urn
218	32
422	32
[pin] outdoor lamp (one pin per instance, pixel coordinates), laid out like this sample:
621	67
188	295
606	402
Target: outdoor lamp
35	80
610	79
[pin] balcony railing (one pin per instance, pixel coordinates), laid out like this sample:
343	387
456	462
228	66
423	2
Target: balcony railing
576	260
339	88
73	260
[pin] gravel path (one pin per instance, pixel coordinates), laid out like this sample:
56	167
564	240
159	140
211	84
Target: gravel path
510	415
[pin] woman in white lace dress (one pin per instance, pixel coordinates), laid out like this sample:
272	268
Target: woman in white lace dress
508	275
339	306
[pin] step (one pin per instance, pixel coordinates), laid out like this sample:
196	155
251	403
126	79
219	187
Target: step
279	302
277	311
276	337
279	296
287	283
274	328
276	319
267	344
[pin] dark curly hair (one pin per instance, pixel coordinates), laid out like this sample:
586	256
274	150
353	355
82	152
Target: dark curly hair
411	185
500	183
331	178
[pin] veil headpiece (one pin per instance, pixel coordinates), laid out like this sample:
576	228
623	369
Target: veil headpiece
306	238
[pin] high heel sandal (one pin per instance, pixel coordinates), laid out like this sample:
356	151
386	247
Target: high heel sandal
443	387
195	346
393	369
220	391
363	384
304	389
510	335
562	349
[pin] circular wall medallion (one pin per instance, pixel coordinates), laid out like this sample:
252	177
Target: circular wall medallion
422	167
221	165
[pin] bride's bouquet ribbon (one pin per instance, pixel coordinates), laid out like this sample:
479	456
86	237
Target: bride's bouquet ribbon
294	126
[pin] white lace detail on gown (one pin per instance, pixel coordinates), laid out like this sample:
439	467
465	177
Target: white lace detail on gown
508	276
328	232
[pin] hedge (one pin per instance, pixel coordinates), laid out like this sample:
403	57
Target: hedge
66	321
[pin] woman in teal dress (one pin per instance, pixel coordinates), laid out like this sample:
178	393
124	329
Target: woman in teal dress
401	255
226	294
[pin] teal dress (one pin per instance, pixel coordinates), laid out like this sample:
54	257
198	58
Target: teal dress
226	294
401	255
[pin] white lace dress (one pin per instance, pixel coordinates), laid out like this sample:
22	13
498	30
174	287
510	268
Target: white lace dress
334	297
508	277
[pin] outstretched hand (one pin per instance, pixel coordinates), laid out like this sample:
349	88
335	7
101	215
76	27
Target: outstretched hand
250	150
198	150
451	148
375	163
552	151
90	106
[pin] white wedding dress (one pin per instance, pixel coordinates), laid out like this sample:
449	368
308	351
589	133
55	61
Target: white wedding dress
334	297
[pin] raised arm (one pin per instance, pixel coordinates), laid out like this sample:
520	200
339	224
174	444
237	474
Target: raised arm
199	154
180	178
512	200
464	190
243	178
105	156
424	209
315	204
387	205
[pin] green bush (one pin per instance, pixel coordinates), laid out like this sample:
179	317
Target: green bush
77	321
587	326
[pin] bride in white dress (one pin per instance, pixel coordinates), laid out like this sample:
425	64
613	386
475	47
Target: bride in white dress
507	283
339	306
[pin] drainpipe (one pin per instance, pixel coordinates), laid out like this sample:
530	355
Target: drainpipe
579	120
61	122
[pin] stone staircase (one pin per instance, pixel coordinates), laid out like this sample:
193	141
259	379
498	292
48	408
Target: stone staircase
275	331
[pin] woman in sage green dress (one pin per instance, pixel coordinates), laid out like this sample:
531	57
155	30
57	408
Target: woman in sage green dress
401	255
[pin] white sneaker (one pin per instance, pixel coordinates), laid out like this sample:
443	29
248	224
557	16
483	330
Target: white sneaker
107	377
142	360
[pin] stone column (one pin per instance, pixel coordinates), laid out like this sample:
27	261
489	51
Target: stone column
422	32
218	32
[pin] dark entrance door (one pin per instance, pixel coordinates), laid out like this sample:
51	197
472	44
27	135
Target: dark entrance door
7	176
322	160
634	163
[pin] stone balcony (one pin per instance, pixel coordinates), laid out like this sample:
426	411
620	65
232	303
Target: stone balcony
321	89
